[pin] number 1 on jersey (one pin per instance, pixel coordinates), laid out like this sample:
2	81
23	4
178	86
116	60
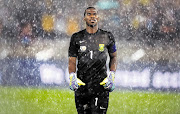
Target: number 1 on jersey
91	54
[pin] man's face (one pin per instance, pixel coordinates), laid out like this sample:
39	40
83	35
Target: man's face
27	30
91	17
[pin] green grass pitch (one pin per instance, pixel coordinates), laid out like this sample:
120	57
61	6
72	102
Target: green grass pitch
19	100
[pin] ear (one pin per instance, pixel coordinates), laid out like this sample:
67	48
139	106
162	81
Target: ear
84	19
98	19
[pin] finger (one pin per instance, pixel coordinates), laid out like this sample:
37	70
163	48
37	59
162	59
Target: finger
104	81
80	82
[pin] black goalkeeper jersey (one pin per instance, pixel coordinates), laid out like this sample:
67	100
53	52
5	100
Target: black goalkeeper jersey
91	51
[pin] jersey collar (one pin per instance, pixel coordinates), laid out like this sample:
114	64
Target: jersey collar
92	33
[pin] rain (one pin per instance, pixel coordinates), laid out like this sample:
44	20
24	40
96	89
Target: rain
34	42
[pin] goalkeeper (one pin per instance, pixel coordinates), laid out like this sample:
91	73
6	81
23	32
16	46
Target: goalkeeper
90	49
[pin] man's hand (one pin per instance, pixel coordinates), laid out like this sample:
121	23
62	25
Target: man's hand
75	82
108	82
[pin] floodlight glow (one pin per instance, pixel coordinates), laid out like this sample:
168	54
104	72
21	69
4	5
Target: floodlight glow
137	55
50	74
45	54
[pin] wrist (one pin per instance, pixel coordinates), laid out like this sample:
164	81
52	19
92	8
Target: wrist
112	71
112	75
72	74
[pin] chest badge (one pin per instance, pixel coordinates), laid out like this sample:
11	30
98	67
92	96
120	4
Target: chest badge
83	48
101	47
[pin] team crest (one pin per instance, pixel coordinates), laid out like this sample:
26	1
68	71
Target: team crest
83	48
101	47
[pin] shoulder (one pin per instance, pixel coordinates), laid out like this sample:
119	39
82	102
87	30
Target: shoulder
79	33
77	36
105	32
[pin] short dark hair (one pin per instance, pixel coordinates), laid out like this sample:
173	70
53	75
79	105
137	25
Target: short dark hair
87	9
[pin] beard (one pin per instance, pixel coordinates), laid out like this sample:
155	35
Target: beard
91	25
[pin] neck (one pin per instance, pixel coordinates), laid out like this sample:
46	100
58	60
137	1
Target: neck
91	30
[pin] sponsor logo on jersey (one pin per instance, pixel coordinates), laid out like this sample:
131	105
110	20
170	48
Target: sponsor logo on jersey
82	41
102	108
83	48
101	47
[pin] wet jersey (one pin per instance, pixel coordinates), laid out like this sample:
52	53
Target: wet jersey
91	51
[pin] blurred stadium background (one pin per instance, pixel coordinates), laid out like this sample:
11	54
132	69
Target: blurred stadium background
34	40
